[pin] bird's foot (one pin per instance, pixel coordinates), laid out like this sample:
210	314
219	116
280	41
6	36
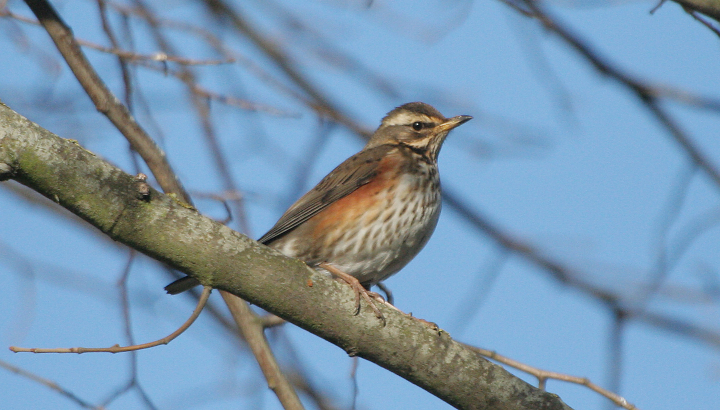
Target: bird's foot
360	291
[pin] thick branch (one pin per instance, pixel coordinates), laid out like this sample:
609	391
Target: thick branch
251	327
710	8
163	229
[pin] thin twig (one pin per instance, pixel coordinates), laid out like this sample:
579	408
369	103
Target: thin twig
156	57
219	46
657	6
122	63
543	375
677	326
252	330
238	102
710	8
670	215
130	56
104	100
701	19
133	382
644	92
202	109
117	349
572	278
50	384
222	200
317	101
615	352
300	376
125	302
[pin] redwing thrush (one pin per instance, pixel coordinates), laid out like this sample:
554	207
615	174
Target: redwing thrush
373	213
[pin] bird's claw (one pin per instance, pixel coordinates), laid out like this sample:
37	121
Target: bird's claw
360	291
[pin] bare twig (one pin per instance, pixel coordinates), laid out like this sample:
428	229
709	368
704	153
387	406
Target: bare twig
237	102
49	383
133	382
317	101
222	200
202	109
615	351
130	56
646	93
681	327
156	57
544	375
252	330
300	376
318	45
205	93
657	6
710	8
104	100
122	63
219	46
694	14
663	265
117	349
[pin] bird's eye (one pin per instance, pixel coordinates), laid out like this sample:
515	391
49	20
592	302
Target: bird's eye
417	125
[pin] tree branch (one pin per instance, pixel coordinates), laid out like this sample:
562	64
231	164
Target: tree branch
104	100
710	8
164	229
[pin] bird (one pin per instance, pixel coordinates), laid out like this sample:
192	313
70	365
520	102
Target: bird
372	214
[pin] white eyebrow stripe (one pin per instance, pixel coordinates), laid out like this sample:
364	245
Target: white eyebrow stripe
406	118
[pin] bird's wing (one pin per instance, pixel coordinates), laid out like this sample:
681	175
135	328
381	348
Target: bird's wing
343	180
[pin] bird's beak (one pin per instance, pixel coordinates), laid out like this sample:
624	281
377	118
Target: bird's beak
454	122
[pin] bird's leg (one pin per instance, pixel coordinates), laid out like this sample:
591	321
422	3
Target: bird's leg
358	288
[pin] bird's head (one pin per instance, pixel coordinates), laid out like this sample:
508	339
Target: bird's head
418	126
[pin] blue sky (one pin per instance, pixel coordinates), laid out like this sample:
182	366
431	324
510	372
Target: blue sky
557	156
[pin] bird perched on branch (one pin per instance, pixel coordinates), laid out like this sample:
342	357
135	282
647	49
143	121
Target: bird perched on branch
373	213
